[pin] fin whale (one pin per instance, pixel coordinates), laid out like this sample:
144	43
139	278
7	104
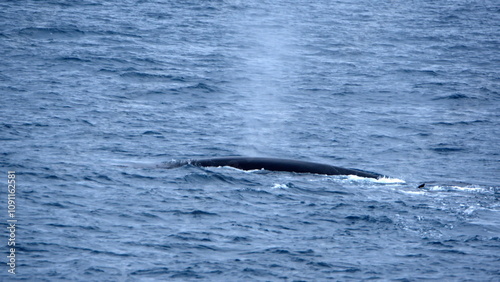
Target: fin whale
273	164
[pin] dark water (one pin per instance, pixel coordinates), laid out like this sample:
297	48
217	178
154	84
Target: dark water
94	95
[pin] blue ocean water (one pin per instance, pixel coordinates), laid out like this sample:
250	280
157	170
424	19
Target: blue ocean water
96	94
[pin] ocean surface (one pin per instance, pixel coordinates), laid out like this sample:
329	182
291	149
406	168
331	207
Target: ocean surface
97	95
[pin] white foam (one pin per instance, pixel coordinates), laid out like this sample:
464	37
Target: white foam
390	180
412	192
279	186
383	180
456	188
